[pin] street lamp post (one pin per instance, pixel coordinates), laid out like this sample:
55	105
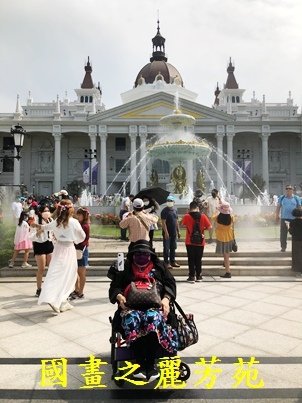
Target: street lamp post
243	155
90	155
18	134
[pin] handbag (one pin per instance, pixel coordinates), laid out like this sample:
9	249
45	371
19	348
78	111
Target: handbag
142	295
186	329
80	253
234	244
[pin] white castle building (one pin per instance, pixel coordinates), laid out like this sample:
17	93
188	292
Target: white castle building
53	155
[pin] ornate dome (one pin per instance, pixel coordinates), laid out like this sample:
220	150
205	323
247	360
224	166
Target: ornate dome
158	68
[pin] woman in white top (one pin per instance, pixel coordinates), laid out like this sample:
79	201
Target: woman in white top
42	243
62	271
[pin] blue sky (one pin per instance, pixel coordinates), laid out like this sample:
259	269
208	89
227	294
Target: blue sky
44	45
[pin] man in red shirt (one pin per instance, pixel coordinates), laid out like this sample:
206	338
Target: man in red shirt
194	245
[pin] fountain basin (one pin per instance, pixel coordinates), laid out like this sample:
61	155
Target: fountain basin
179	150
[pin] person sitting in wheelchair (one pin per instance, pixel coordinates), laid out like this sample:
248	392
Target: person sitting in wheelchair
143	292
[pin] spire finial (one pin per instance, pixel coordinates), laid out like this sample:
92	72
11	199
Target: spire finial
158	46
18	105
87	82
58	105
231	80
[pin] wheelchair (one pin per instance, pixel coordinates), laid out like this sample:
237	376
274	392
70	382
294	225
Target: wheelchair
121	353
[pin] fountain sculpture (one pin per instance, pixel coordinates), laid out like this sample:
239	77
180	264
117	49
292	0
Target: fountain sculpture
178	145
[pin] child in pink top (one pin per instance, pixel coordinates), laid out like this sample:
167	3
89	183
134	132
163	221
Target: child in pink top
22	241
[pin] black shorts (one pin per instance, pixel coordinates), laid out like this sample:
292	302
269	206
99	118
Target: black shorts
42	248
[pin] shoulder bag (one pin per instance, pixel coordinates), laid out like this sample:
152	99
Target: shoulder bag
186	328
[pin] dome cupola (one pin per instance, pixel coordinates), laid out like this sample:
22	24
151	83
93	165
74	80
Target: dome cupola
158	66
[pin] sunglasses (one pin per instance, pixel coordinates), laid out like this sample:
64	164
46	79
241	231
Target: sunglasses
289	189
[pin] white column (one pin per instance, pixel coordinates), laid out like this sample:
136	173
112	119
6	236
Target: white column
143	155
219	137
57	158
230	135
92	133
190	179
103	159
17	170
265	172
133	180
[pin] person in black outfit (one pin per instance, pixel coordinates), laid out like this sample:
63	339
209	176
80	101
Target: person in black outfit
295	229
144	330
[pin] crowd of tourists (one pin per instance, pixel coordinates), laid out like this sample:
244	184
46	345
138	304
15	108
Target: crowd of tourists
140	216
206	213
58	233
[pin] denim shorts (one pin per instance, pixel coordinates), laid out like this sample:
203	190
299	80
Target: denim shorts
84	261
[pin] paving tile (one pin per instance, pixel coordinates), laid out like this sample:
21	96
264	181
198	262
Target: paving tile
222	328
232	349
274	343
279	299
293	314
265	308
75	329
284	326
241	316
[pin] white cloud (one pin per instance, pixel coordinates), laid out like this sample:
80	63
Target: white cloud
46	42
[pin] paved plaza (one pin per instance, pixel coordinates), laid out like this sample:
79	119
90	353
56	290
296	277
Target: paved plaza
242	317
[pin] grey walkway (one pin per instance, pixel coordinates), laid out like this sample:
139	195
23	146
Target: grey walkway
235	318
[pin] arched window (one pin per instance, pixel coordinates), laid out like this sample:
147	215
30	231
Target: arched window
233	100
227	98
82	99
237	100
90	98
86	99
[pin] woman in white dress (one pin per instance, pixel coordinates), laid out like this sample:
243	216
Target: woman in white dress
62	271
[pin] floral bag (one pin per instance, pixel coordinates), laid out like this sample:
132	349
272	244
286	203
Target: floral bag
186	329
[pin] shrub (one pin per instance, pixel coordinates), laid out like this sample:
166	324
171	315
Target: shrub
107	219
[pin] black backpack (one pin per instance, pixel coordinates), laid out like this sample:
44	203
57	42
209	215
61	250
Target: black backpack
196	235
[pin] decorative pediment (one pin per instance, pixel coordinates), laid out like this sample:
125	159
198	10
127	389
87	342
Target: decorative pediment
155	107
156	110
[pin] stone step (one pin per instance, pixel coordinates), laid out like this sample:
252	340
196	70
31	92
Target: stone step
236	260
214	270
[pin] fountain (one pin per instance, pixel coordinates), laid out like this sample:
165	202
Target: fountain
85	199
179	145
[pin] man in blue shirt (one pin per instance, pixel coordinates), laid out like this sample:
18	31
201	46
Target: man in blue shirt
286	204
169	219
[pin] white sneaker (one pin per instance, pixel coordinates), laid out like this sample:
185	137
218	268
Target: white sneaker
10	264
65	306
26	265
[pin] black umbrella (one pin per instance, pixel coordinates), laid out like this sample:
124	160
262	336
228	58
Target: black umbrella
158	194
